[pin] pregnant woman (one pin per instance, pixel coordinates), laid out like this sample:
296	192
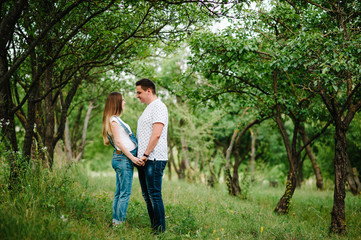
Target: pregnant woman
117	133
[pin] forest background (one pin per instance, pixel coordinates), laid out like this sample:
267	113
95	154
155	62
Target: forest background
269	104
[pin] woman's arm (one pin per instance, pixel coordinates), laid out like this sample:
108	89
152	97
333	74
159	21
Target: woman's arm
116	135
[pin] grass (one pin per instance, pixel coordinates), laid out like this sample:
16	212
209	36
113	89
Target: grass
74	204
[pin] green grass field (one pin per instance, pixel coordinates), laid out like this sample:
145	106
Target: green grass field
71	204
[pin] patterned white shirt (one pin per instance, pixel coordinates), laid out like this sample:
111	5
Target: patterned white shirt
155	112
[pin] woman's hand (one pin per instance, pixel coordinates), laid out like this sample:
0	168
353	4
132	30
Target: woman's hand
137	161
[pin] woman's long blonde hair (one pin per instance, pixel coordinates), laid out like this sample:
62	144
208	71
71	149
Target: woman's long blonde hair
113	106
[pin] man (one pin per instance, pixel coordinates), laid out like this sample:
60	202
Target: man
152	149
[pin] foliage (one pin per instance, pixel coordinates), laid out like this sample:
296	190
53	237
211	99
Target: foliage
283	61
69	203
303	57
78	43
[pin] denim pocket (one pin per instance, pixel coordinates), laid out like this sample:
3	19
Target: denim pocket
122	163
119	157
157	168
164	163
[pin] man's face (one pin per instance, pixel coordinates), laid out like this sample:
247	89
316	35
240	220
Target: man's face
142	95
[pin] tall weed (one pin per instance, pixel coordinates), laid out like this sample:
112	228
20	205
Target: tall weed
43	201
71	203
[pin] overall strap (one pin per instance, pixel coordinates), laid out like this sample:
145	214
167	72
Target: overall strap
125	128
111	142
131	136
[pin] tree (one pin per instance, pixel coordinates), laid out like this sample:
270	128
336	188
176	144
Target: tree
236	62
308	60
324	43
44	62
232	180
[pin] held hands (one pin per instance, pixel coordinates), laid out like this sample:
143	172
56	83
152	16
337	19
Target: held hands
138	161
144	159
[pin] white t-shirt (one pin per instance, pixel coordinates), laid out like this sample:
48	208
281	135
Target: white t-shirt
155	112
124	136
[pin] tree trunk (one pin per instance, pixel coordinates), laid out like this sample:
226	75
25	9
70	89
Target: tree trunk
341	123
185	164
213	177
49	103
56	131
85	128
233	187
196	161
30	120
172	160
253	155
185	157
75	132
227	167
30	124
7	117
8	134
357	179
293	158
311	156
181	168
236	189
176	168
299	178
285	201
352	179
67	143
171	152
170	167
338	218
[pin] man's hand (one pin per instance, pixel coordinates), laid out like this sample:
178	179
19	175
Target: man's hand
144	160
137	161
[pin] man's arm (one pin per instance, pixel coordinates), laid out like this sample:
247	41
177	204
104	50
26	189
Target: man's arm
154	138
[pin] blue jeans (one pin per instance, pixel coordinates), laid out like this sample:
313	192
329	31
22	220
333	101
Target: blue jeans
124	176
150	178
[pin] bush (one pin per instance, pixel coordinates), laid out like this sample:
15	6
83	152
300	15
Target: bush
43	201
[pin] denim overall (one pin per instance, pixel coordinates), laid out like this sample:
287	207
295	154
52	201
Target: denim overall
123	167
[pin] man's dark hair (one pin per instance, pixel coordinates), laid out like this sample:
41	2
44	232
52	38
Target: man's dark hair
145	84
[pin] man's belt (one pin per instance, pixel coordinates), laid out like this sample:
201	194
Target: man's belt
118	152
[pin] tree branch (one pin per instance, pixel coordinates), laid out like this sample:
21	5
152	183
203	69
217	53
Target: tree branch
315	136
26	53
319	6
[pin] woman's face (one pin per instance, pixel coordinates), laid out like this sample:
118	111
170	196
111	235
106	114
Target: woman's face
123	103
